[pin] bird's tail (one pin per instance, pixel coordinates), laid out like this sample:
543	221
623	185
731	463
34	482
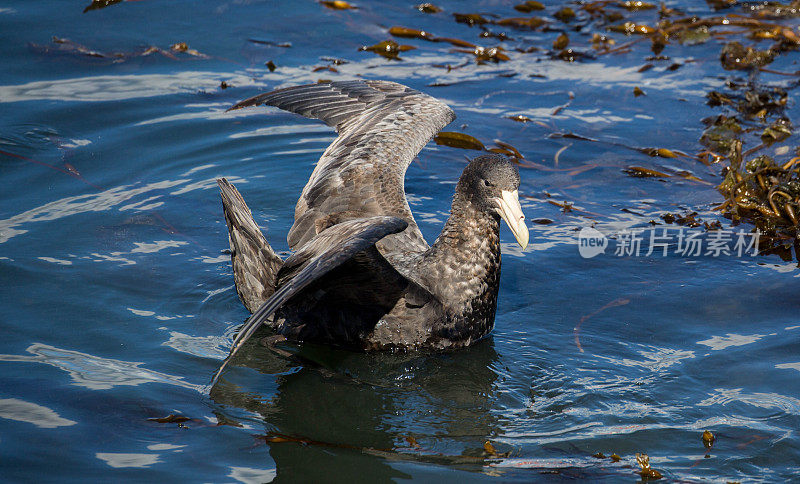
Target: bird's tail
255	264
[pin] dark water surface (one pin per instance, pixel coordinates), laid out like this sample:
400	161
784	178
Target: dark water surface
118	302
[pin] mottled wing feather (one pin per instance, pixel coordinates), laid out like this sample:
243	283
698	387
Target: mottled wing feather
255	264
382	126
329	250
334	102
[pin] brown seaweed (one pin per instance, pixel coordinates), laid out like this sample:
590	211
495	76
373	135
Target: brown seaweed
388	49
338	5
529	6
428	8
458	140
98	4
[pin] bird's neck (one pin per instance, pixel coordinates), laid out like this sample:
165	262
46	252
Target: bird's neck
463	265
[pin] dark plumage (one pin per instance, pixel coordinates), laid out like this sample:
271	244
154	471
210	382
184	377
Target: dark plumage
362	276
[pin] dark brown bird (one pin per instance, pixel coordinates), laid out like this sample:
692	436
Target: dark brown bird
362	276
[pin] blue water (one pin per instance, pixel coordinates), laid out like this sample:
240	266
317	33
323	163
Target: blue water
118	301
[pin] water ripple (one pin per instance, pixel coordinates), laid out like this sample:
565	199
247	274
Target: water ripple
99	202
94	372
726	396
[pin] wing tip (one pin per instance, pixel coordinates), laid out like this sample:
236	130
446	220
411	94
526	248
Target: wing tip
228	191
377	86
249	102
396	224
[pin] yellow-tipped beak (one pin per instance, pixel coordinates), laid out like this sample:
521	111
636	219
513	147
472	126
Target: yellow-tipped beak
512	214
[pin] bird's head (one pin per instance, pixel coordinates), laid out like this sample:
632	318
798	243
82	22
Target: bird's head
491	183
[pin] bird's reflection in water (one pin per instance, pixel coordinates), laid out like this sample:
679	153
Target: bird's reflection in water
344	415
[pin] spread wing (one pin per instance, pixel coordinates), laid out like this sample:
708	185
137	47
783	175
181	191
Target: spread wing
330	249
255	264
382	126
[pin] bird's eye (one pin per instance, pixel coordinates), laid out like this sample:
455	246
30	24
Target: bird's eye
487	183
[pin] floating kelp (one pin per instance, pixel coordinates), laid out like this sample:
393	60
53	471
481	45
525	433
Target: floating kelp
602	42
612	16
170	419
757	188
183	47
284	45
777	131
508	150
688	219
715	98
408	449
519	118
388	48
66	169
558	153
338	5
521	22
688	176
561	42
661	152
641	172
634	5
775	10
66	47
412	441
763	192
324	68
572	55
470	19
721	4
630	28
456	42
529	6
736	56
556	111
428	8
97	4
708	439
458	140
408	33
694	36
565	207
334	60
646	471
486	54
565	14
497	35
721	134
